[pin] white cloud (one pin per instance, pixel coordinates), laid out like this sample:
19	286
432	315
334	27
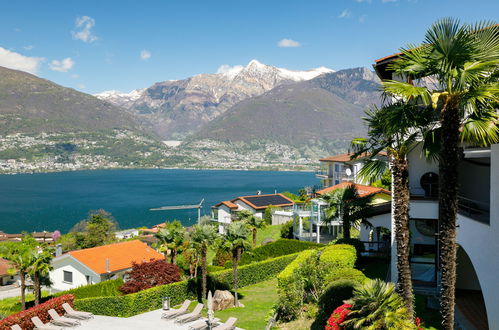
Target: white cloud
16	61
75	76
29	47
362	18
145	55
83	29
62	66
225	68
288	43
368	1
345	14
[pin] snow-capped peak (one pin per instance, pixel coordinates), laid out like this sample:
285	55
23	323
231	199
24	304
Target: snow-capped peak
120	98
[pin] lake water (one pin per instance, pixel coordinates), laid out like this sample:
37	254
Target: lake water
50	201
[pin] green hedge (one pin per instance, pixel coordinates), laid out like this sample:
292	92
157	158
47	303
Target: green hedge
355	242
275	249
150	299
287	273
348	273
339	256
102	289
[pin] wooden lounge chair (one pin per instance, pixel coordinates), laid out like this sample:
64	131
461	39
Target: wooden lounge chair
42	326
194	315
61	320
170	314
202	324
16	327
229	325
70	312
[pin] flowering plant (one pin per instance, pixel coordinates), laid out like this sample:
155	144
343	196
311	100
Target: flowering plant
337	317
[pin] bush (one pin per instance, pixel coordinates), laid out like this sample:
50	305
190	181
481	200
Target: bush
103	289
348	273
355	242
287	230
339	256
221	257
339	315
150	274
24	318
150	299
276	249
212	269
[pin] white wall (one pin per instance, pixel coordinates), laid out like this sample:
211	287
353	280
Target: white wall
78	270
418	166
280	217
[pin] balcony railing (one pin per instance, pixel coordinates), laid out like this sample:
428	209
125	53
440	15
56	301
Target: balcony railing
322	173
474	209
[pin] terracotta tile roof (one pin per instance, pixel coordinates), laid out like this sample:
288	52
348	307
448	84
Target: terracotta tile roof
229	204
362	189
259	202
346	157
120	256
5	265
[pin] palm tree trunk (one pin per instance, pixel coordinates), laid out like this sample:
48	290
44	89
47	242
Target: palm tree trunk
254	237
401	200
36	285
174	255
448	186
22	274
203	271
235	260
346	227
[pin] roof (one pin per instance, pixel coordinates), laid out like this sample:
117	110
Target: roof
5	265
259	202
229	204
346	157
363	190
120	256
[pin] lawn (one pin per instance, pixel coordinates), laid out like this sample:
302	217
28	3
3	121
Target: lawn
273	232
258	300
12	305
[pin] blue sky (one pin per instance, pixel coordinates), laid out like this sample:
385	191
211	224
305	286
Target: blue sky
101	45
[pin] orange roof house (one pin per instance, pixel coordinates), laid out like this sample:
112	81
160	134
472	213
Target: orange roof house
363	190
89	266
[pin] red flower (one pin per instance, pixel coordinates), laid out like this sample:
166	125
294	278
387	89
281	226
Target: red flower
337	317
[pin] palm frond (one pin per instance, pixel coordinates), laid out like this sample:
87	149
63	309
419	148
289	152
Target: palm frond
481	129
372	170
406	91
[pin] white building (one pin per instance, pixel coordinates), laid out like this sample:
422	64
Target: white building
94	265
225	212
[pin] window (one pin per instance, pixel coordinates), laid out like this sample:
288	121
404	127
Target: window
68	276
87	277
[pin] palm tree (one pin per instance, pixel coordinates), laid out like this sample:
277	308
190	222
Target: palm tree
396	128
171	237
252	221
463	60
201	237
349	207
40	267
21	255
376	306
236	241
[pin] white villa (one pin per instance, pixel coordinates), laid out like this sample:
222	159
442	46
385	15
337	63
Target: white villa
225	212
94	265
477	288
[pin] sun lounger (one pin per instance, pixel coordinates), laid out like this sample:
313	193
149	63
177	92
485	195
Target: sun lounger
16	327
41	326
170	314
61	320
202	324
70	312
229	325
194	315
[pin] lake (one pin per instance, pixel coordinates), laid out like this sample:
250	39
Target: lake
50	201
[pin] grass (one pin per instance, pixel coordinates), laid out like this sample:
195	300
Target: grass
258	300
273	232
12	305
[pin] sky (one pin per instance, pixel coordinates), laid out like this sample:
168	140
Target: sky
94	46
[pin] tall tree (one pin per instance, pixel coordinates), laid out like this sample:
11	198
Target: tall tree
201	237
396	128
21	255
252	221
463	60
40	267
236	241
172	237
346	205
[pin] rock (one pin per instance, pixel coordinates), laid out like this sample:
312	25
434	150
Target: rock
222	299
267	241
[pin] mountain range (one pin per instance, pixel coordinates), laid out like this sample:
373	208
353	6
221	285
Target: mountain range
253	114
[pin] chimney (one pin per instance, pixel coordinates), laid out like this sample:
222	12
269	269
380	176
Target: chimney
107	265
58	250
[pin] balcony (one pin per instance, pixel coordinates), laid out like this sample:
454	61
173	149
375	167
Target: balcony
322	174
474	209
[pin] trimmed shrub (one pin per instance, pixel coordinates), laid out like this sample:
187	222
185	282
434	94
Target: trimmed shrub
150	274
339	256
212	269
24	318
150	299
287	273
347	273
355	242
287	230
103	289
275	249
